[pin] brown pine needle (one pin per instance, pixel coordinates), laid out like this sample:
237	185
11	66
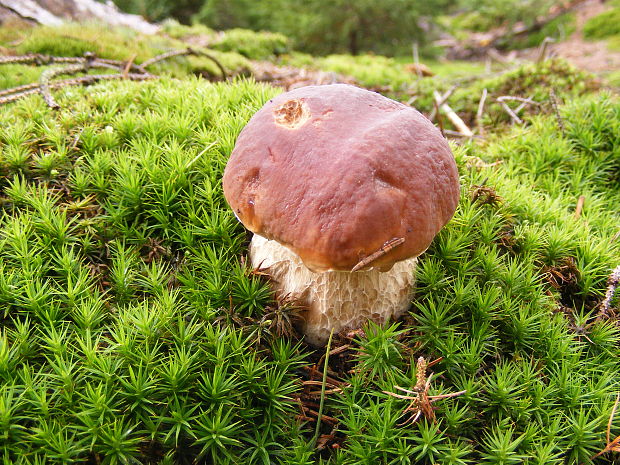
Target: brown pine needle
612	446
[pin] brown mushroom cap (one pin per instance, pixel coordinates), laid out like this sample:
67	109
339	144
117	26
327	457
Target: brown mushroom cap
336	172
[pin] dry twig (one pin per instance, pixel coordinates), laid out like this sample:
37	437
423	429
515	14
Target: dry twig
443	99
187	51
542	55
83	64
480	111
84	80
612	284
511	113
452	116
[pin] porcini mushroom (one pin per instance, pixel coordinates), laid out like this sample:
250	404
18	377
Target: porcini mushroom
342	188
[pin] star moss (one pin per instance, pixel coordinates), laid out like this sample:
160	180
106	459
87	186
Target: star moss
132	330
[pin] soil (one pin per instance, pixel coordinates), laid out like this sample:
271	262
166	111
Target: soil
593	56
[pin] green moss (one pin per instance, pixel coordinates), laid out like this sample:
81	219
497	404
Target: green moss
180	31
132	330
605	25
532	80
559	29
254	45
119	44
376	70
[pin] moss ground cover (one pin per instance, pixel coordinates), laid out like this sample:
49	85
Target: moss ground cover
132	330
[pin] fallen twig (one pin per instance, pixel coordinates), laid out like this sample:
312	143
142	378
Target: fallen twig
612	284
448	132
83	64
443	99
416	60
48	75
452	116
37	59
508	110
526	101
480	111
514	114
542	55
82	80
128	65
187	51
19	89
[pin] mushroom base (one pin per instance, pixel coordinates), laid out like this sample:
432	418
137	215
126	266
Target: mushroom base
336	300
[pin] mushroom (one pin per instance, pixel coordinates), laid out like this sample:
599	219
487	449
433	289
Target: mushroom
342	188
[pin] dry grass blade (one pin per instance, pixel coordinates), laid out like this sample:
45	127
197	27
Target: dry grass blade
480	112
612	446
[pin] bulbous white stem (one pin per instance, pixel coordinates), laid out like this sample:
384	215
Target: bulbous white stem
337	300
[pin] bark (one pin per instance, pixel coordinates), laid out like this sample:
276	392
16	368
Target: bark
30	10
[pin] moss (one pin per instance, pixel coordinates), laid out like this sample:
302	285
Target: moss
535	81
605	25
254	45
132	329
559	29
376	70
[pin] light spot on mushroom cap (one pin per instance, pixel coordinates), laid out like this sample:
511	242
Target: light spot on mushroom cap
291	114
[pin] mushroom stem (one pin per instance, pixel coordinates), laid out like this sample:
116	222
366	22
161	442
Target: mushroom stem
336	300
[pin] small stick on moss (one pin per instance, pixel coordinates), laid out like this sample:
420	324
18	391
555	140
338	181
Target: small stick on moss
128	65
48	75
82	80
187	51
579	208
448	132
416	60
317	430
443	99
524	102
38	59
43	60
542	55
612	285
554	104
508	110
480	111
453	117
18	89
385	248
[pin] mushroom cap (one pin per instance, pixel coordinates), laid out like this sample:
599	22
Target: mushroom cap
337	173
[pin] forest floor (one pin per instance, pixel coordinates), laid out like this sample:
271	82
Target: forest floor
133	330
593	56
